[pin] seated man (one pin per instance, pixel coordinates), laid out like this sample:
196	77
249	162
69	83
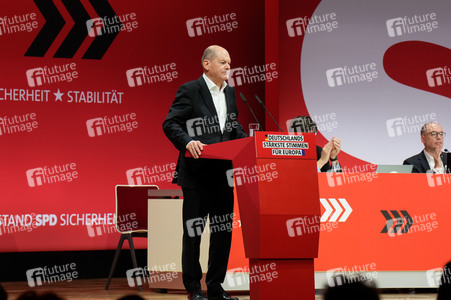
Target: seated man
432	157
329	151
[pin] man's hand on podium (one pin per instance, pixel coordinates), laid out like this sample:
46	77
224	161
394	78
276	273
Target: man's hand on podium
195	148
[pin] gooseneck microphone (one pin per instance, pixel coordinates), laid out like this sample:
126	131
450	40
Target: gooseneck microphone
252	112
262	104
446	159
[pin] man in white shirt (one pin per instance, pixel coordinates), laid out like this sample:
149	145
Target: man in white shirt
431	158
204	112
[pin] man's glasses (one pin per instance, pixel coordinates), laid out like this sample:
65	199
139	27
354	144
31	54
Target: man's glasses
435	134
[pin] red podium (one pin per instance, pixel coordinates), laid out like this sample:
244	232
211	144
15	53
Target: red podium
276	181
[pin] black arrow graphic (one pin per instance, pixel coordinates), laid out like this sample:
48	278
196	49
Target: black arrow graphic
102	42
389	222
78	33
399	221
52	27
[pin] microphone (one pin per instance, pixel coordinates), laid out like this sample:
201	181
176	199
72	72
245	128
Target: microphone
252	112
446	160
262	104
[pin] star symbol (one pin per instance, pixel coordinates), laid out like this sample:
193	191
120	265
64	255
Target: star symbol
58	95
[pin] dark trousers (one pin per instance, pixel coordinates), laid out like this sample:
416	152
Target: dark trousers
198	205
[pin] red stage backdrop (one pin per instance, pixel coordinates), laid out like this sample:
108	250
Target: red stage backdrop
84	90
85	86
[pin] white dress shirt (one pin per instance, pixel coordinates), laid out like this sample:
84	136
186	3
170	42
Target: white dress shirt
431	163
219	100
